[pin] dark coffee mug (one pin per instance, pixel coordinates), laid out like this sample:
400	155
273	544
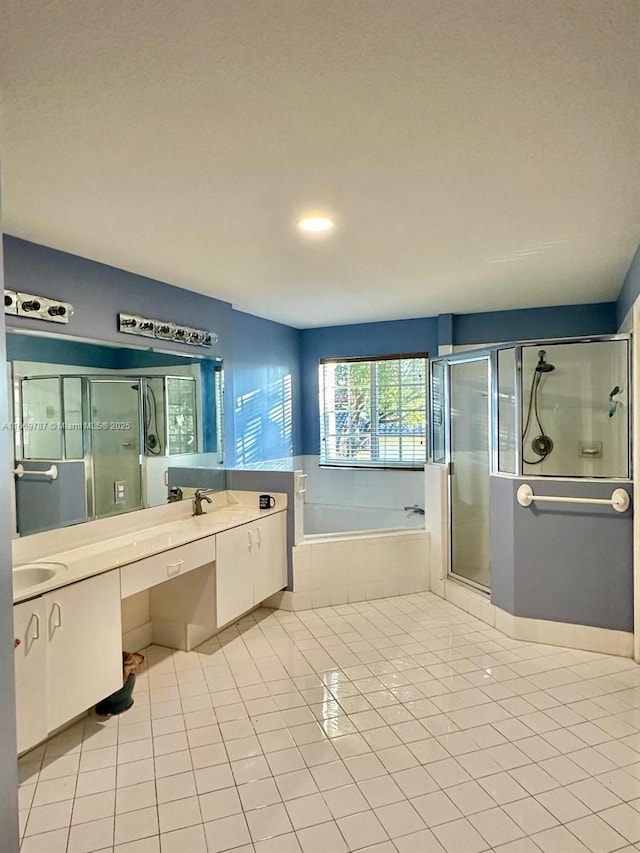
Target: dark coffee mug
267	501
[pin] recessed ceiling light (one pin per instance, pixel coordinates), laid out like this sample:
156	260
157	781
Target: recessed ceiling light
316	224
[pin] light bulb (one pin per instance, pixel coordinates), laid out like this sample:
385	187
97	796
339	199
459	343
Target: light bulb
316	224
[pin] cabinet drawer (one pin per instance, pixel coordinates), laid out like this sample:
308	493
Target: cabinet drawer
169	564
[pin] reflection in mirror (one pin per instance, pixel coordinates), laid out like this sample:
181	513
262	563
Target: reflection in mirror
112	420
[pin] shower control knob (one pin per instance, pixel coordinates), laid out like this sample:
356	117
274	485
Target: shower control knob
31	305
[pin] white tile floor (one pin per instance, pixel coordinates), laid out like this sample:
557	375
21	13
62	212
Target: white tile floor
395	726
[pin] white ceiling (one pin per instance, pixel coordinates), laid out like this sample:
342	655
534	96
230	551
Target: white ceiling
475	154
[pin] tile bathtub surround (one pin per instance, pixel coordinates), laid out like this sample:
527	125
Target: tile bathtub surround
361	568
401	725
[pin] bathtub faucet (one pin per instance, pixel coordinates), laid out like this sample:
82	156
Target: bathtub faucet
415	509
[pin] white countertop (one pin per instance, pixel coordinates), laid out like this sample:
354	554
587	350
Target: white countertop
91	548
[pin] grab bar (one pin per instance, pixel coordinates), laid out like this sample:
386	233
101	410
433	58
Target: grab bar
52	472
619	499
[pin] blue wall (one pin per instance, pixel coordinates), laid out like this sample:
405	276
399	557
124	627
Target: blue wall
261	358
560	321
630	289
99	292
562	562
263	394
64	351
390	338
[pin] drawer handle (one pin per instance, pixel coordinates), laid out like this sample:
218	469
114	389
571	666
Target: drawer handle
56	607
174	568
249	541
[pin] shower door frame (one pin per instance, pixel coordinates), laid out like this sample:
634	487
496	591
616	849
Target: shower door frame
89	456
481	354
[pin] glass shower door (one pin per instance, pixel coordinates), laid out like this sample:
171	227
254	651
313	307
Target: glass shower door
41	418
470	471
116	469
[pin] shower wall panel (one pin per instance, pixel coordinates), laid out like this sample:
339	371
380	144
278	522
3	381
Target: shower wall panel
582	405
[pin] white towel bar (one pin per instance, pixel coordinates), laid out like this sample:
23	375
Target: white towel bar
619	499
52	472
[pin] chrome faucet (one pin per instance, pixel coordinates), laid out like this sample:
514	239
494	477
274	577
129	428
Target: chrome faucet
417	510
201	495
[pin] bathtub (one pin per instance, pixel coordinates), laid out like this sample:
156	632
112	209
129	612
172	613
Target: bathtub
351	554
325	519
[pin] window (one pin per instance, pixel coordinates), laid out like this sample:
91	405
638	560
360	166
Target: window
181	415
373	411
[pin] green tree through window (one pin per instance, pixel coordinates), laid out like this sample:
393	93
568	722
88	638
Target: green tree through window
373	411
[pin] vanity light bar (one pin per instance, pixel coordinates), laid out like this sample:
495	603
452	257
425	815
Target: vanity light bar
132	324
40	307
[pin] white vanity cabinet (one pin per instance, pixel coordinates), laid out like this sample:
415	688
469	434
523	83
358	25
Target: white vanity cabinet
270	565
70	654
250	565
84	646
31	672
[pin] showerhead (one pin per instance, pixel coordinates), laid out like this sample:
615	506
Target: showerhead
543	366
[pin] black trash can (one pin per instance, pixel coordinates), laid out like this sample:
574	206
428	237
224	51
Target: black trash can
122	699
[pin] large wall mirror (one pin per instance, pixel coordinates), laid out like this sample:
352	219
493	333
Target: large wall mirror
96	427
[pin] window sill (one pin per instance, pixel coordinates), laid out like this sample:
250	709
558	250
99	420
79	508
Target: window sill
370	467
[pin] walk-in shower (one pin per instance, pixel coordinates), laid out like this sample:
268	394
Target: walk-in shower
536	409
109	426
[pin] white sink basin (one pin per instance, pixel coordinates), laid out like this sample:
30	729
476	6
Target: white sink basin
34	574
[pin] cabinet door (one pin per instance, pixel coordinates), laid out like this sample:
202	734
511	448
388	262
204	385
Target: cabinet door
235	550
270	566
31	672
84	654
